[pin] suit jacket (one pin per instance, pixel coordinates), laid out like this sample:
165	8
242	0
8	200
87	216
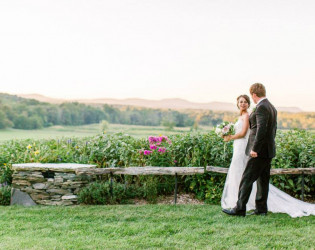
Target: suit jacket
263	126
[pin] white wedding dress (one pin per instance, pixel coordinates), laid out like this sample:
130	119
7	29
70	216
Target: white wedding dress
278	201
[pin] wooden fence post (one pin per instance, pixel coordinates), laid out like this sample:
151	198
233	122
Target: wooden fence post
175	195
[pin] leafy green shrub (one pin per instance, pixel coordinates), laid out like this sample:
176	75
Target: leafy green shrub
150	188
195	150
207	187
295	149
5	195
203	150
5	174
157	153
104	125
100	193
134	191
116	150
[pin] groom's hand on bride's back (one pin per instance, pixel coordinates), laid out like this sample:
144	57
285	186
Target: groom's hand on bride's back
253	154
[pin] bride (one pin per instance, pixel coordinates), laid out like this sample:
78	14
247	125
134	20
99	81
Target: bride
278	201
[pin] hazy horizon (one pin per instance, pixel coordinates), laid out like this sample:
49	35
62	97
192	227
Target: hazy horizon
149	99
201	51
145	102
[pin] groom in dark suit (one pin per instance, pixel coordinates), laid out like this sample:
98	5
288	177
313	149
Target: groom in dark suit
260	149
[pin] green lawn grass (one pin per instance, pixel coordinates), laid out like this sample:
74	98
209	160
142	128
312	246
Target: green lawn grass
90	130
149	226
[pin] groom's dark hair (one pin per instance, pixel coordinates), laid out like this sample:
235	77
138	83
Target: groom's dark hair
258	89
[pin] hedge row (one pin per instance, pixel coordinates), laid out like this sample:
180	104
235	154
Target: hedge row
294	149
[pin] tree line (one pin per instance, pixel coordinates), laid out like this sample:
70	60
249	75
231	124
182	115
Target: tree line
21	113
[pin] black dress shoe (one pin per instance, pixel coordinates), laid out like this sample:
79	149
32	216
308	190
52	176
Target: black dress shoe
258	213
233	212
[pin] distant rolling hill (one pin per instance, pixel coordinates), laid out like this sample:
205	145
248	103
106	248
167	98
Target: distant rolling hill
42	98
174	103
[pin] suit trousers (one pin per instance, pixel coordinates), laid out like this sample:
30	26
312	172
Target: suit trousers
257	169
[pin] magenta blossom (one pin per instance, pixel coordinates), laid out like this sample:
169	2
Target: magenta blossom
163	138
158	140
162	150
153	139
153	147
147	152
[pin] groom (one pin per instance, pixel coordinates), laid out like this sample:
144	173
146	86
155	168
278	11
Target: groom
261	149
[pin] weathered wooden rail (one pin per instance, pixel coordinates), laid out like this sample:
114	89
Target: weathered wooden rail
49	180
274	171
143	171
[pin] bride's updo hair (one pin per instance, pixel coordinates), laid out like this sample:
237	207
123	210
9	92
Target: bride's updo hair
246	97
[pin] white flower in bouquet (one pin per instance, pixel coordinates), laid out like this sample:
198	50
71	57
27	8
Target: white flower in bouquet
218	130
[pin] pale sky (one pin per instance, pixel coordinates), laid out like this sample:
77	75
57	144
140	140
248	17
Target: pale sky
199	50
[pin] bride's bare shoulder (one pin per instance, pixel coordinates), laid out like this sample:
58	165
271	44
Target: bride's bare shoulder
245	116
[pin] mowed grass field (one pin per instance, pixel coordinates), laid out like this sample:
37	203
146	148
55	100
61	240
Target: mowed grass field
94	129
90	130
149	226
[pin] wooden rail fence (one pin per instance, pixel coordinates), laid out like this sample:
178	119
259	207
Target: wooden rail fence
175	171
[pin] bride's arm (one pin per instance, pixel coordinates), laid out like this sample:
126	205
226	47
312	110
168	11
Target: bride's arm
244	129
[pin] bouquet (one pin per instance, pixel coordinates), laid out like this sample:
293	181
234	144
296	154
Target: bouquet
225	128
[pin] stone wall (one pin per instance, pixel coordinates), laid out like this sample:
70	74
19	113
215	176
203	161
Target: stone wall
47	184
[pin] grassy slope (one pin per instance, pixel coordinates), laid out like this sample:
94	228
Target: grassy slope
149	226
87	130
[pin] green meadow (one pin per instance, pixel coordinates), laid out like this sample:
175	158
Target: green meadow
91	130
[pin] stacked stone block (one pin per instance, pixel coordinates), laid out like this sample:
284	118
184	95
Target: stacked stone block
48	184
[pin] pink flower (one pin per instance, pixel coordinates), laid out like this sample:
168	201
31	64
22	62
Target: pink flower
147	152
162	150
159	140
175	161
153	139
153	147
141	152
163	138
225	130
